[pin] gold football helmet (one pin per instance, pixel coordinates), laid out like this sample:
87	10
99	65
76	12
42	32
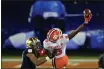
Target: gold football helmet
33	42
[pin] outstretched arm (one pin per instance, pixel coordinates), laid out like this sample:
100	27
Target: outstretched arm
87	18
37	61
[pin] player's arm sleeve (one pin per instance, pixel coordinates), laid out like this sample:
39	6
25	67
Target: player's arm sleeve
65	38
49	54
35	60
47	49
45	45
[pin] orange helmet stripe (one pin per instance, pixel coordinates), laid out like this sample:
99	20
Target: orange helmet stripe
50	32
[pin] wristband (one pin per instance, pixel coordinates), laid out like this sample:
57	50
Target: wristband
29	50
47	58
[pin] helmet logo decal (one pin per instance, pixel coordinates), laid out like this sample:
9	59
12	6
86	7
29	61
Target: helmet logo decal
53	34
50	14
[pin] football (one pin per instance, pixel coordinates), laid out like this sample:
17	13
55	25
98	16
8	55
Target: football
87	12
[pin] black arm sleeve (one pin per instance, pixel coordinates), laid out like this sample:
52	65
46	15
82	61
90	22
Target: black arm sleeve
49	54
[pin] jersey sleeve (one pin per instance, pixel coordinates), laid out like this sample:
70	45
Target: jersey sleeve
65	38
46	45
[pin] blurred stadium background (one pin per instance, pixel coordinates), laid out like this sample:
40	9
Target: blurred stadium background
88	44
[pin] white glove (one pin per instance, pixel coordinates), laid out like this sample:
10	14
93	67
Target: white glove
47	58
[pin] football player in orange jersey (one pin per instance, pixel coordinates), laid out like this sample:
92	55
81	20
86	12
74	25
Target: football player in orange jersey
56	41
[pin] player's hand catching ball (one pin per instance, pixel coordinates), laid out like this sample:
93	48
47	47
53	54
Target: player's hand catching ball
87	15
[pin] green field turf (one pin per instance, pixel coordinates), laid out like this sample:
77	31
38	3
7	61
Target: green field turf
70	57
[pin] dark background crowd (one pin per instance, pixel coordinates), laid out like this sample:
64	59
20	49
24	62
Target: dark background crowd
15	20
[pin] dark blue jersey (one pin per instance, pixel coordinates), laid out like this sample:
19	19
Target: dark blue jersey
101	61
26	62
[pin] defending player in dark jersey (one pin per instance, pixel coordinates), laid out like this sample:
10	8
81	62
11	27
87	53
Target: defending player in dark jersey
34	55
101	61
